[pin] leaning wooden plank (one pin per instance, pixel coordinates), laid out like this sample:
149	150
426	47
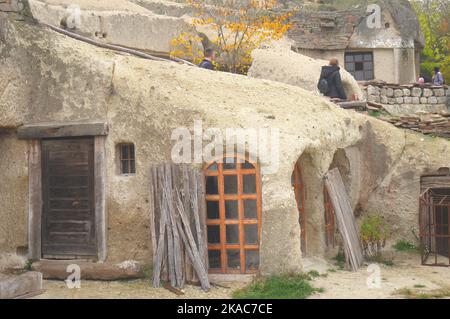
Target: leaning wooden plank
167	186
158	262
348	218
195	185
152	214
181	185
169	194
191	247
345	219
334	196
173	289
198	266
201	191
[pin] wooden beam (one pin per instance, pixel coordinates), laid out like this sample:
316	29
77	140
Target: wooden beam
100	195
35	200
345	219
52	130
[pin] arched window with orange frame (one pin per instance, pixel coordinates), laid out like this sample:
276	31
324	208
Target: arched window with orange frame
233	202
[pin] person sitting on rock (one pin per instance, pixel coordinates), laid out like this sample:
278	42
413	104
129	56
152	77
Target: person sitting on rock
330	82
438	78
207	63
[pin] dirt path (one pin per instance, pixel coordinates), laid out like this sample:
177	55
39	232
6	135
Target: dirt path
407	273
136	289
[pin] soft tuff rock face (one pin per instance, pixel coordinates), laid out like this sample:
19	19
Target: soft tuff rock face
49	77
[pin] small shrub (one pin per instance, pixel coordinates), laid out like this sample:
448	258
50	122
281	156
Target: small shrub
314	274
28	265
405	246
278	287
374	233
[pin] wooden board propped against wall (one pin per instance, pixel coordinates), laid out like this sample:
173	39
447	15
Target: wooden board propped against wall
178	229
345	218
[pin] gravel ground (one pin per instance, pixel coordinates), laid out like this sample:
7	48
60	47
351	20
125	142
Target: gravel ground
136	289
407	273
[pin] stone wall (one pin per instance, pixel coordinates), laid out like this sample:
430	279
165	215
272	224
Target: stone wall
409	98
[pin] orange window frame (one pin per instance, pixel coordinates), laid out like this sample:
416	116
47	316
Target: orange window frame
240	197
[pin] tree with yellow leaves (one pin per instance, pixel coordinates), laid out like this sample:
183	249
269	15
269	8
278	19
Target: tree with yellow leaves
239	27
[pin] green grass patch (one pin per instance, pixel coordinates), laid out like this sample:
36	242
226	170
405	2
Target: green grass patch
419	286
405	246
279	287
313	274
414	294
340	260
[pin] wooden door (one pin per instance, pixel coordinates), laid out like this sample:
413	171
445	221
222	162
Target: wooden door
68	216
299	189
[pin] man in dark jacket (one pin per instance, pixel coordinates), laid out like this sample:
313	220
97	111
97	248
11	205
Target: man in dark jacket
207	62
330	83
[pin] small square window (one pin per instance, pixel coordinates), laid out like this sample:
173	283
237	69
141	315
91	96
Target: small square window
127	159
360	65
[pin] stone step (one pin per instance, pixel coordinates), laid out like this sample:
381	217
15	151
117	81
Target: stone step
58	270
21	286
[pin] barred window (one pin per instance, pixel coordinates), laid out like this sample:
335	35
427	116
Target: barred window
127	158
360	65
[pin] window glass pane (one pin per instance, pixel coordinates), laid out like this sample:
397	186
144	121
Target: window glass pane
359	75
131	146
234	259
214	234
232	234
124	167
231	210
359	66
350	67
230	184
349	58
368	66
132	167
249	184
212	209
251	234
211	185
358	58
125	153
229	163
250	209
247	165
251	259
213	168
368	75
214	259
368	57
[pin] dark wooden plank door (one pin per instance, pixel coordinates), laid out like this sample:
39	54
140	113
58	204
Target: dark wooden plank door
68	219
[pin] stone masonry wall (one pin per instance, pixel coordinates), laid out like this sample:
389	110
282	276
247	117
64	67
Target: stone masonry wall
409	98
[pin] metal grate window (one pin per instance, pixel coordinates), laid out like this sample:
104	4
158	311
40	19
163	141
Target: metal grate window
360	65
127	159
233	201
